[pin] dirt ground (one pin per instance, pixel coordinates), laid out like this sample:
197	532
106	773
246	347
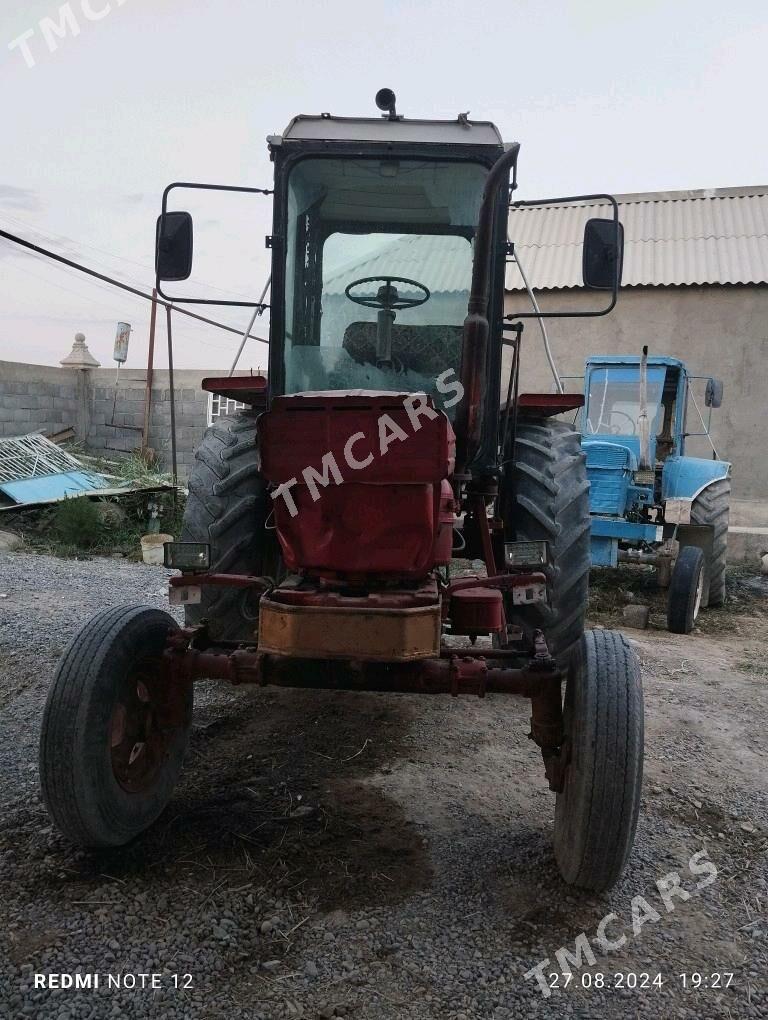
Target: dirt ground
333	854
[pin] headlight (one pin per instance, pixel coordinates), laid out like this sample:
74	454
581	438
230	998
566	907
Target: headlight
187	556
533	555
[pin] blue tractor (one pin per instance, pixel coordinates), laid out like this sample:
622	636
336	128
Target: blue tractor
650	503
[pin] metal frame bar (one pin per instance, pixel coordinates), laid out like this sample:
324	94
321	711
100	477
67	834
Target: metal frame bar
174	465
618	527
150	373
707	426
614	290
455	671
164	213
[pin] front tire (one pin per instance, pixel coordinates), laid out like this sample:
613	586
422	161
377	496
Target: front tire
113	732
596	811
685	595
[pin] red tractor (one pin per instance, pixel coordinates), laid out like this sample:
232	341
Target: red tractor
324	522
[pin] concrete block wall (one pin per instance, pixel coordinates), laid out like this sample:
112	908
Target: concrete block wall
36	397
46	399
191	421
191	404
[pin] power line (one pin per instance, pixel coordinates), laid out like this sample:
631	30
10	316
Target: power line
38	260
144	321
59	286
49	235
123	286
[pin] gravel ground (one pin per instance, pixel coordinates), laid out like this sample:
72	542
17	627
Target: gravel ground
332	854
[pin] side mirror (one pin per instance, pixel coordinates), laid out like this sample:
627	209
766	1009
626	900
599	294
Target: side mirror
603	254
173	246
713	395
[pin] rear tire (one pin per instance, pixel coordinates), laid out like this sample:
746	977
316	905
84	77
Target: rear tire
546	497
711	508
684	597
109	758
227	508
596	812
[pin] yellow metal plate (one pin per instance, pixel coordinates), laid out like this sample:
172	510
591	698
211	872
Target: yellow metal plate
318	632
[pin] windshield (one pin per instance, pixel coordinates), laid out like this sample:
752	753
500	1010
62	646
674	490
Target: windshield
613	401
404	229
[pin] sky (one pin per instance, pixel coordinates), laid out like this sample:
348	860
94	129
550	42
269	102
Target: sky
133	94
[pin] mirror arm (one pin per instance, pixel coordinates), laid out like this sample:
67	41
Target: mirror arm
204	187
512	317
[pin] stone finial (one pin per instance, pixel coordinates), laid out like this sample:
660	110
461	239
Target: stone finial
80	356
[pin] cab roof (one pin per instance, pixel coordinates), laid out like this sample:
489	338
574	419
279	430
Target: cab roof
324	127
633	359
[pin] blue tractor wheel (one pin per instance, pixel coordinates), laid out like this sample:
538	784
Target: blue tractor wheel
686	589
711	508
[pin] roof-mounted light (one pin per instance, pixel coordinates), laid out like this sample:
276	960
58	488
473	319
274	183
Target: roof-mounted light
385	100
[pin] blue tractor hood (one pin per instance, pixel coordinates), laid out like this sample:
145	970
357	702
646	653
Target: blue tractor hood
630	443
610	466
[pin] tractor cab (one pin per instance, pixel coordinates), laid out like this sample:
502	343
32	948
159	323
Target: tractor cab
375	227
614	407
376	221
622	393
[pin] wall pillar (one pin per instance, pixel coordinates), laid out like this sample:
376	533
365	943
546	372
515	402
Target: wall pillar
82	361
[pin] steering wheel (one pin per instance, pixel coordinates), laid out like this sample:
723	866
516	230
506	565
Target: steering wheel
614	429
387	298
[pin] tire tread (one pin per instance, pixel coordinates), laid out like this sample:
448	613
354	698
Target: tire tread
546	496
227	508
64	730
712	508
596	817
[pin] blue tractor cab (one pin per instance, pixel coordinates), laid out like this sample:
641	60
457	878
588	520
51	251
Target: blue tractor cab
649	501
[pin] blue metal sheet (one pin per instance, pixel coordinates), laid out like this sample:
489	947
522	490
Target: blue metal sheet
628	531
609	467
604	452
685	477
51	487
604	552
640	495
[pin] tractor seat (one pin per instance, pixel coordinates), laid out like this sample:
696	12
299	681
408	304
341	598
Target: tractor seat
423	349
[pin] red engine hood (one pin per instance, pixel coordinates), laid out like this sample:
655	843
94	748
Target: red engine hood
376	467
300	429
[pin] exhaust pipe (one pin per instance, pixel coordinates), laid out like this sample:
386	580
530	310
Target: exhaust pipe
643	425
474	349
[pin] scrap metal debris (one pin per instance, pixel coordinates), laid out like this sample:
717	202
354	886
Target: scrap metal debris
34	471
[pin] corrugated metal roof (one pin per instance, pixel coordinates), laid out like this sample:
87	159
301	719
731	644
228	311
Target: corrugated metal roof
670	238
441	262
